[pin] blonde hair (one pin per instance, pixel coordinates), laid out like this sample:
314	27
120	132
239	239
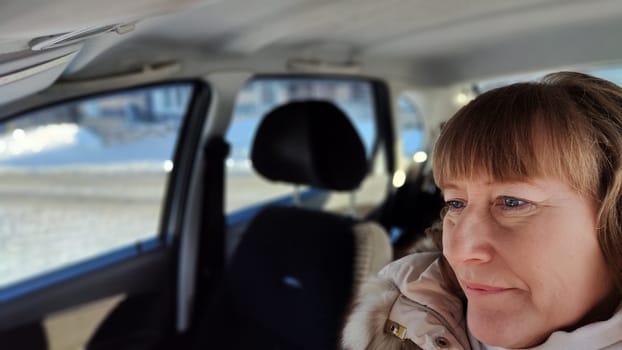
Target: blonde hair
568	126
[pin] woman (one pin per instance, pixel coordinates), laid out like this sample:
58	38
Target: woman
531	234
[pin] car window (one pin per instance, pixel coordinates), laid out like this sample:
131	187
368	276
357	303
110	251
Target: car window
613	73
85	177
245	187
410	124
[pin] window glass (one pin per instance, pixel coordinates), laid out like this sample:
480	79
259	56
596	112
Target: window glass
410	127
258	97
494	83
611	73
85	177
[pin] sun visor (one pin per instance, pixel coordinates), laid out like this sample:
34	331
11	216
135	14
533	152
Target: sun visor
24	73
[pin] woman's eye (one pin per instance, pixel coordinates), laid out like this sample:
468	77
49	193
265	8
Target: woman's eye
513	205
454	205
510	202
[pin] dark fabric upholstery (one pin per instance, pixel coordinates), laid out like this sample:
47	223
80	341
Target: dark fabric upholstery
288	286
31	336
310	142
291	278
293	274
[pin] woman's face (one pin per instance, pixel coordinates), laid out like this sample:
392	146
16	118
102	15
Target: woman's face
526	255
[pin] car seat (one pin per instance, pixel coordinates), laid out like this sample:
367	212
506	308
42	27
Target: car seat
292	277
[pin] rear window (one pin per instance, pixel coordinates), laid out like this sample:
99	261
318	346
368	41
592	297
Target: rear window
611	73
245	187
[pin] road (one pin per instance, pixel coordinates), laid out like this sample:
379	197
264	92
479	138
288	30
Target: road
49	220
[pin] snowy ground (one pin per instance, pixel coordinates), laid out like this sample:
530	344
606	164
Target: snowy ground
68	193
49	221
74	196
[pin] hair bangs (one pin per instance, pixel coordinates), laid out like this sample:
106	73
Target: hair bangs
521	131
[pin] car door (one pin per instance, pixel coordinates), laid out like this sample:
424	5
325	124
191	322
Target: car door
93	193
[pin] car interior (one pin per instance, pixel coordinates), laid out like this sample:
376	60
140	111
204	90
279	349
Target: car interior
211	174
301	265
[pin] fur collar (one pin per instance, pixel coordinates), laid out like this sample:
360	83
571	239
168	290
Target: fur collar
406	304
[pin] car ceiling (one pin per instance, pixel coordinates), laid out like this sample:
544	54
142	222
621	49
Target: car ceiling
428	42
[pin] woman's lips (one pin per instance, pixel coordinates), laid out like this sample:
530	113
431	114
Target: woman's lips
483	289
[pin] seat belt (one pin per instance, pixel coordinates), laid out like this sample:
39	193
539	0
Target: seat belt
211	258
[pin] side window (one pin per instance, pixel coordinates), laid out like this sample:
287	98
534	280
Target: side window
246	188
411	130
86	177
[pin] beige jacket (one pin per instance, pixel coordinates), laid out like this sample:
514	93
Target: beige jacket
405	307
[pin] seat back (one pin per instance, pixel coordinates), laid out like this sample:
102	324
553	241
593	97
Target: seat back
294	272
293	276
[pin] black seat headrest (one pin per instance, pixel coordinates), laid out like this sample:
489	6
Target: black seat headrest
309	143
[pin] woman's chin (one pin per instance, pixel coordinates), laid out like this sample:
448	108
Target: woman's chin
498	331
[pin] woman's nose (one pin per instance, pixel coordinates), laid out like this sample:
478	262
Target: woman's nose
467	238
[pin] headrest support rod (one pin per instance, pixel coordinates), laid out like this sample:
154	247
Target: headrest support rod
353	204
296	196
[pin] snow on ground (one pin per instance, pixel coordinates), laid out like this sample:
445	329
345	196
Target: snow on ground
73	201
67	195
81	150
